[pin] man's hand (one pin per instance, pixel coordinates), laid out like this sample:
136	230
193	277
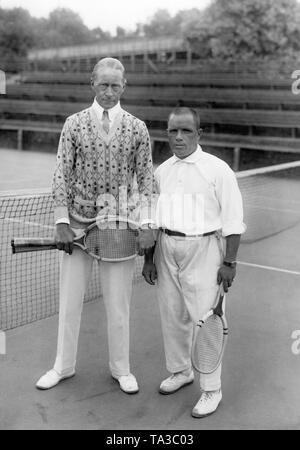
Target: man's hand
226	276
64	237
145	240
149	272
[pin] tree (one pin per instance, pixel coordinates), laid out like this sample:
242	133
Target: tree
161	24
19	32
98	34
121	33
139	30
63	27
16	36
185	17
16	30
242	30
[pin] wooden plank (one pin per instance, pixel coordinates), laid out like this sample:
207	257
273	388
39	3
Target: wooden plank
145	94
41	107
56	77
212	95
286	145
275	144
168	79
63	92
53	127
277	119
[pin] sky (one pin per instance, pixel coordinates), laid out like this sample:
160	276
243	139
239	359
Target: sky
107	14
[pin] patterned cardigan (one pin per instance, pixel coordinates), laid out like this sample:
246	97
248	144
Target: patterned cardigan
92	166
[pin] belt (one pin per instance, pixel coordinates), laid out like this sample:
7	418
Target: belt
178	233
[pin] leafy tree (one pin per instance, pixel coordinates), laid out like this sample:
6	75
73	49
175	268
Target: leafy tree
19	32
161	24
121	33
15	30
98	34
16	36
236	29
139	30
63	27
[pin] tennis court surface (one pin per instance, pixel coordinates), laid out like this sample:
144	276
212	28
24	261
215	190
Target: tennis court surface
261	387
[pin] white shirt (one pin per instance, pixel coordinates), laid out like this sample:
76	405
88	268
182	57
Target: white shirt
112	114
197	195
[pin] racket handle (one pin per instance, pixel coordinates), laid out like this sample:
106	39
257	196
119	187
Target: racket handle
23	245
219	308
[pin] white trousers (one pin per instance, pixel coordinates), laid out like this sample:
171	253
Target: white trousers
116	282
187	289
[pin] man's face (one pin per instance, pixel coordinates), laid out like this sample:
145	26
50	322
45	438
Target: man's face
108	87
183	135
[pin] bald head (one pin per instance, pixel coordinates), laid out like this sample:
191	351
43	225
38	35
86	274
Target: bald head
182	110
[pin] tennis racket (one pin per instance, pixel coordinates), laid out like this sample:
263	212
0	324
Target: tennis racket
209	340
109	238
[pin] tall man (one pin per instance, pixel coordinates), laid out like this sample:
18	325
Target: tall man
101	149
200	218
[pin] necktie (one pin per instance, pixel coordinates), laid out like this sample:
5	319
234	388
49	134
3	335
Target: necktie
105	121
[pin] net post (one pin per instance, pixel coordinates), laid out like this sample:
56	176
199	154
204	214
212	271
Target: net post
236	158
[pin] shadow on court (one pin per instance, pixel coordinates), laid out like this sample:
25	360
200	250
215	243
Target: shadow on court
260	372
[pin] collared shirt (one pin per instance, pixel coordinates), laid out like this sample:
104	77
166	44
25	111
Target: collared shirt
112	112
198	194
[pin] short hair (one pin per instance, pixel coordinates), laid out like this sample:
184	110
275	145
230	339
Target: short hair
186	110
112	63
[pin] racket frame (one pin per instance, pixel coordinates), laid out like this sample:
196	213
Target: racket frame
217	310
30	244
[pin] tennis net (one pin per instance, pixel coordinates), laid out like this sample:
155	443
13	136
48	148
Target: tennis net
29	281
271	197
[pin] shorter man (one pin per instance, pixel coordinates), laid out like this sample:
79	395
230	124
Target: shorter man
200	219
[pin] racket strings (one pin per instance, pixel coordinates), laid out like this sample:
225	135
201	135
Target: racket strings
208	344
111	243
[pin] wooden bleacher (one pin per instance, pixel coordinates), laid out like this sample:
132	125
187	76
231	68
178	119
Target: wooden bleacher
171	79
235	112
167	95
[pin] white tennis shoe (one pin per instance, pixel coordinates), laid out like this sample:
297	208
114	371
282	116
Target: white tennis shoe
128	383
51	379
176	382
207	404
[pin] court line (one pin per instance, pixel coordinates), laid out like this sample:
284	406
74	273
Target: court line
270	208
276	269
266	170
274	199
